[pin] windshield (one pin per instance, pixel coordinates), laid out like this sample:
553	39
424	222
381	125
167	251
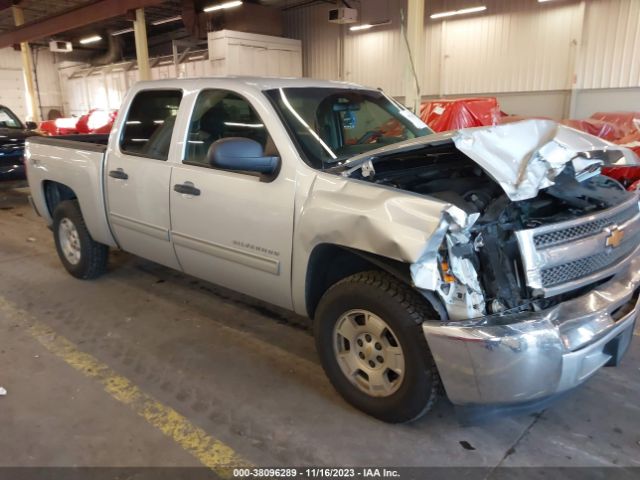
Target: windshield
330	125
8	119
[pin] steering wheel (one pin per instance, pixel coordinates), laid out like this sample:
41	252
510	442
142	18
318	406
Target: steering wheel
368	137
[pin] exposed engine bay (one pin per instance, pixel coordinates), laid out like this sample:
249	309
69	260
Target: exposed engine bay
481	267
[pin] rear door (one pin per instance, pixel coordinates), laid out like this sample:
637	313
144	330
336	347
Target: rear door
236	229
138	176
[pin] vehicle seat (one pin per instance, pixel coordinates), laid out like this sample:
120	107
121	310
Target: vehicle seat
210	128
158	144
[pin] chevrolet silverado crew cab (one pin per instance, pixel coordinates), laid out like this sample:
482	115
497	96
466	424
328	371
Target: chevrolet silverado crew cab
496	261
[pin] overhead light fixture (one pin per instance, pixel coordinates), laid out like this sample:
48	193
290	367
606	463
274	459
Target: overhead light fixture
122	32
222	6
367	26
167	20
462	11
92	39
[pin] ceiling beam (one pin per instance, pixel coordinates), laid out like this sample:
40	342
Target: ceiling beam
70	19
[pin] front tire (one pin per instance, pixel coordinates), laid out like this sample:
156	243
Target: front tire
371	345
82	256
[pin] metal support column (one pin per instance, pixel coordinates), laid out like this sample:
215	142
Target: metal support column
415	39
142	49
27	68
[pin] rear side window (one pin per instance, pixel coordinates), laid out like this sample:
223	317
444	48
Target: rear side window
149	124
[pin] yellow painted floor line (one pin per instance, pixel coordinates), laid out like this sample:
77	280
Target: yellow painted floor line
209	451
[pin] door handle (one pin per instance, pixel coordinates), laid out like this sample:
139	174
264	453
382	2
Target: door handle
186	189
119	174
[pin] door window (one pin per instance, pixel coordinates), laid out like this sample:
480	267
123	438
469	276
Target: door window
222	114
149	124
8	119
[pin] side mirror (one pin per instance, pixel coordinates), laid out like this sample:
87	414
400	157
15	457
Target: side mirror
31	125
238	153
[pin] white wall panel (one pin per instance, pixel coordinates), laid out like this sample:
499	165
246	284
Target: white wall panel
377	58
48	81
606	100
106	87
12	86
12	93
610	51
10	59
518	45
320	40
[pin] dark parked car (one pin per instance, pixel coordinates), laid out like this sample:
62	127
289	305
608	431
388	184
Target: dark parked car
12	135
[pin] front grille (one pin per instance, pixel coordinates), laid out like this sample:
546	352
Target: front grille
583	230
563	256
584	267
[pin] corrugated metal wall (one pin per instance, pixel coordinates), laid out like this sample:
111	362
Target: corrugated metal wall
320	40
519	46
515	46
376	57
610	54
381	50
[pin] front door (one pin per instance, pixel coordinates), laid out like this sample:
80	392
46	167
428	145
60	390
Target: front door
232	228
138	177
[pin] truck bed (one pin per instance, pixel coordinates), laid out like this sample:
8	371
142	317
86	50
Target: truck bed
76	161
94	142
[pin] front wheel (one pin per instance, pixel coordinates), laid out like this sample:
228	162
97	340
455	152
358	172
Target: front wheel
80	254
370	341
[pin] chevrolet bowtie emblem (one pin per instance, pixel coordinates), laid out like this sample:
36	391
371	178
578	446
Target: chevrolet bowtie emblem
615	237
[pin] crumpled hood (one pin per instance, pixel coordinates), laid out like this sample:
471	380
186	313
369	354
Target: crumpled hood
523	157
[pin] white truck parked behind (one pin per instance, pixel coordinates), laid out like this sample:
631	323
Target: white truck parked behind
496	261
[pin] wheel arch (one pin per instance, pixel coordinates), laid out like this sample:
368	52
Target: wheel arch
330	263
56	192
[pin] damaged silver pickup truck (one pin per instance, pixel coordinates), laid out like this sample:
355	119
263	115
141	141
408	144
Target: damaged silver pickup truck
495	261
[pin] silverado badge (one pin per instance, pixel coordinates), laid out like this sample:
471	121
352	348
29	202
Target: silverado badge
615	237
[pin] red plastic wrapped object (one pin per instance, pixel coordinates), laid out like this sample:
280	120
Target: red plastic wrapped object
629	176
631	141
443	115
96	121
627	122
59	126
599	128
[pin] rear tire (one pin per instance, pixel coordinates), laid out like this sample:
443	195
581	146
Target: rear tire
82	256
371	345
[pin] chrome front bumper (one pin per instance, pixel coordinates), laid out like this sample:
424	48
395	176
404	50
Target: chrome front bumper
520	358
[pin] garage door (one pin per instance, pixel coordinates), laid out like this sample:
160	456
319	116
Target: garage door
12	93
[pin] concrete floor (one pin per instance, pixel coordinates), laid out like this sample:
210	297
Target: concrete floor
244	372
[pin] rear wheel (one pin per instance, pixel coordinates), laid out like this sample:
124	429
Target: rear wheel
371	345
82	256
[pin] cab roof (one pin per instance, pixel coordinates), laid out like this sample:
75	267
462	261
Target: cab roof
257	83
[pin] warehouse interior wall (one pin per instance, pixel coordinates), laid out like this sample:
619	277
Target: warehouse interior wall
13	91
528	54
557	59
85	88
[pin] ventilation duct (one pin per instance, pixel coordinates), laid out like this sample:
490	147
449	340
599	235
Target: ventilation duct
113	53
